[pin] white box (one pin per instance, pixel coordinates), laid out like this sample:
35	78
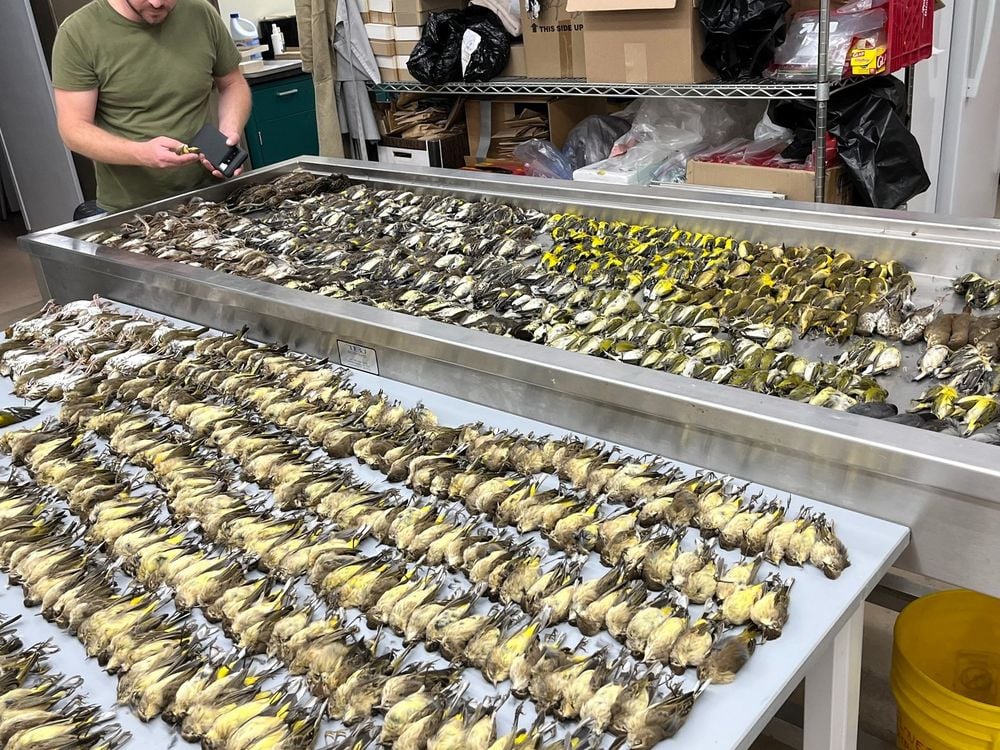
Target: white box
633	168
407	33
386	62
411	156
381	31
401	61
380	6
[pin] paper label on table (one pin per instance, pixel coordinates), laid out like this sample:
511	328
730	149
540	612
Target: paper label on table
358	357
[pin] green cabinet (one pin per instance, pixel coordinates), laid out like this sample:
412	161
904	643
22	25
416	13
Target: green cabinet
282	123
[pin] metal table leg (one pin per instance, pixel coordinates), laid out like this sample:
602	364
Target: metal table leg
833	687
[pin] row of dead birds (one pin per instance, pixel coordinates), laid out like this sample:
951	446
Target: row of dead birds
435	270
810	534
38	708
135	432
561	681
162	665
316	401
509	571
812	288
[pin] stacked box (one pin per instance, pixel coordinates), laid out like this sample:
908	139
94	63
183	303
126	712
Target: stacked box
394	28
642	41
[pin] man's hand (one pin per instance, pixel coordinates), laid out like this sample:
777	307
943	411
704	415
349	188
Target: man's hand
161	153
231	140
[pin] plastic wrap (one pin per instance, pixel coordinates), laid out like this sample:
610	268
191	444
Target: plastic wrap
674	169
543	159
797	57
593	138
677	123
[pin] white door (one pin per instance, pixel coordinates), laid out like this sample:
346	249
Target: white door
970	149
930	82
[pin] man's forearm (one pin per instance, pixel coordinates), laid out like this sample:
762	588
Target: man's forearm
234	108
100	145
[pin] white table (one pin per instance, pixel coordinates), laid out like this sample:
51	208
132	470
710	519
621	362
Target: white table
821	642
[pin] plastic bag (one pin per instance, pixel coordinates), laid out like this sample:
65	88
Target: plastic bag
592	139
797	57
879	152
767	129
674	169
543	159
470	45
676	123
741	36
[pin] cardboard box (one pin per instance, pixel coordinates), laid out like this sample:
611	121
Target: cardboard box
553	42
380	31
406	39
387	19
517	66
415	12
642	41
407	33
387	68
382	47
449	151
404	49
486	117
794	184
402	72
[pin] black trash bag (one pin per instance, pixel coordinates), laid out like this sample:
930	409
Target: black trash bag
742	35
880	154
437	57
592	138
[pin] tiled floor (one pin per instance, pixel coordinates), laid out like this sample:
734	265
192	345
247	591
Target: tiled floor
19	294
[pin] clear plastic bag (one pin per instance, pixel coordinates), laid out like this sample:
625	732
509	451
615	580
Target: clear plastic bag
592	139
543	159
674	169
796	58
677	123
766	128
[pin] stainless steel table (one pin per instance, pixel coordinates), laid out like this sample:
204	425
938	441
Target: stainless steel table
943	488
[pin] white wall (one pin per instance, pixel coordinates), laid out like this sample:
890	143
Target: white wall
254	10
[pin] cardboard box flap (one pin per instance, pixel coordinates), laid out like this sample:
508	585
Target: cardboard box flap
575	6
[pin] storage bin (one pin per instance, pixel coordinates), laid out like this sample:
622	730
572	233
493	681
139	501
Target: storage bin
946	672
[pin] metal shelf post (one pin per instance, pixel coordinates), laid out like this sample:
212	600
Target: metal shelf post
822	101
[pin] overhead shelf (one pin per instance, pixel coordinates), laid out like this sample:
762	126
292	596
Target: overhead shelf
749	88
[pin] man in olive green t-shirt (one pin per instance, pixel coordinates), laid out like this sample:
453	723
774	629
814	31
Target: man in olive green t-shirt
132	81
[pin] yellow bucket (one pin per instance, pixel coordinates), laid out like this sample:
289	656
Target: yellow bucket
946	672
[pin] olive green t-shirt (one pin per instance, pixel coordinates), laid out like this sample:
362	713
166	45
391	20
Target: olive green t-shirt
151	81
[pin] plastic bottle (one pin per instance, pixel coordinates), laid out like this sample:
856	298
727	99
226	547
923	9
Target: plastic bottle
244	33
277	40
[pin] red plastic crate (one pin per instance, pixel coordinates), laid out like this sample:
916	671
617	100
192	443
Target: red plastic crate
910	30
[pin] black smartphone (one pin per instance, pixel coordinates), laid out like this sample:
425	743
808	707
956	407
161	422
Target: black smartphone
212	144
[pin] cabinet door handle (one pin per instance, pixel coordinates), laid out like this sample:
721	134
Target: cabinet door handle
288	93
260	138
